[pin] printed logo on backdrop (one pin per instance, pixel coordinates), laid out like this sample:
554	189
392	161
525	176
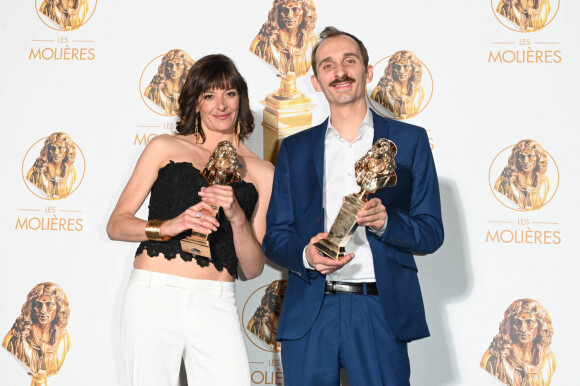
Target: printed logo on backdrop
524	177
65	15
402	86
53	169
159	87
38	339
162	79
520	353
525	15
260	322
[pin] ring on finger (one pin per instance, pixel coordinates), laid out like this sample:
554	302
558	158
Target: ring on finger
198	214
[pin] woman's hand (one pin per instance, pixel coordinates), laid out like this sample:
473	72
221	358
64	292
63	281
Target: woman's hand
199	217
223	196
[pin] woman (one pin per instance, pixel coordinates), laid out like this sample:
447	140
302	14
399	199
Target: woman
177	304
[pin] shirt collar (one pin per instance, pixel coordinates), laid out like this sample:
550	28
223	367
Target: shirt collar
365	126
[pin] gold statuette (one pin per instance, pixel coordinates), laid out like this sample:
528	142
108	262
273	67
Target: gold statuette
374	171
221	169
285	42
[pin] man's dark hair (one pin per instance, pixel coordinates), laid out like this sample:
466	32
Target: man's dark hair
330	32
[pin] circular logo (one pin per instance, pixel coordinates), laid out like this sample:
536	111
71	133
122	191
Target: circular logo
260	315
525	15
65	15
162	79
402	86
53	167
524	176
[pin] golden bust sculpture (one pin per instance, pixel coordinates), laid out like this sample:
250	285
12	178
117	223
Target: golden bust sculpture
520	354
67	14
38	337
524	179
399	89
286	39
53	171
528	15
166	85
264	323
222	166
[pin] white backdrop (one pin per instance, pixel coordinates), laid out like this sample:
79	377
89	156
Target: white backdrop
479	107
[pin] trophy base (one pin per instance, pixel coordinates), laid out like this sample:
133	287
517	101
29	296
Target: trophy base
196	244
329	249
284	115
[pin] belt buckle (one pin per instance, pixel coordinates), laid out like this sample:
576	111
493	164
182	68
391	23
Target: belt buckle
333	287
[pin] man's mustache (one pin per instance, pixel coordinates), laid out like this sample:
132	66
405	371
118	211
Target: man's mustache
345	78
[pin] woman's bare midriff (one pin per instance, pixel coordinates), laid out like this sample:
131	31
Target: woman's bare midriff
179	267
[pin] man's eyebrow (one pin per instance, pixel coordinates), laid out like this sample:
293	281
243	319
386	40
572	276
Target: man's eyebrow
346	55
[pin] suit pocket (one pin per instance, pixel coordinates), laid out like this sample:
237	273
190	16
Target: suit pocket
406	260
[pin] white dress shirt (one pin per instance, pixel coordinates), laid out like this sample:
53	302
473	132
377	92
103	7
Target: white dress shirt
340	157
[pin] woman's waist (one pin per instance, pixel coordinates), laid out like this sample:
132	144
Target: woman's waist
180	267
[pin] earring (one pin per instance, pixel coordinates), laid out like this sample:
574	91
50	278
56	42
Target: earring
238	133
198	124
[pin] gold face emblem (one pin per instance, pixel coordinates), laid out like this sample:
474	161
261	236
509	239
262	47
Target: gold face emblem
520	353
524	15
39	338
54	171
523	180
164	88
399	90
264	322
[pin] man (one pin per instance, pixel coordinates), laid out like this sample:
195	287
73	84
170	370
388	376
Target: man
520	353
357	312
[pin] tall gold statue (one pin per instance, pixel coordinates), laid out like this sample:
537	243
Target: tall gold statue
520	354
67	14
53	171
285	41
166	85
264	322
399	89
524	179
528	15
38	337
374	171
221	169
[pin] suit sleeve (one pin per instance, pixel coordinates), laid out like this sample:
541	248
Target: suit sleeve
283	244
420	228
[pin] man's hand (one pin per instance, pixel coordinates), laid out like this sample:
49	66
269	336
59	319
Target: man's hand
373	214
321	263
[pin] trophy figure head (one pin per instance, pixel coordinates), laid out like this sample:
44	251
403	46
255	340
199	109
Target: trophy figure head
376	170
222	167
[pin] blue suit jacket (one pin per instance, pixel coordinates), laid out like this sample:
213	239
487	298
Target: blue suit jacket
296	214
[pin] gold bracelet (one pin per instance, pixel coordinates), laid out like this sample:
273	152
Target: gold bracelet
153	231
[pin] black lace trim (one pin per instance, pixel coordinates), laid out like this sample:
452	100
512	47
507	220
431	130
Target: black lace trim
174	191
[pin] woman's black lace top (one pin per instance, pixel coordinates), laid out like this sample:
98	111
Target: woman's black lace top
176	190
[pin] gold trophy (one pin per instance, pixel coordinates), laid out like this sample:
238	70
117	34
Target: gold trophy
285	42
374	171
221	169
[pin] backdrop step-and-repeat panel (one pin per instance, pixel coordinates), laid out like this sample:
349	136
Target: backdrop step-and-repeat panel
88	83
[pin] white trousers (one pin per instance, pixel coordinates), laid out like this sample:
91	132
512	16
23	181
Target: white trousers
166	318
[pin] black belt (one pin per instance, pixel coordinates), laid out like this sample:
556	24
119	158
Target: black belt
338	287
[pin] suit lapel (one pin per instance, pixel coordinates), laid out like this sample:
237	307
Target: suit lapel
318	135
381	126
